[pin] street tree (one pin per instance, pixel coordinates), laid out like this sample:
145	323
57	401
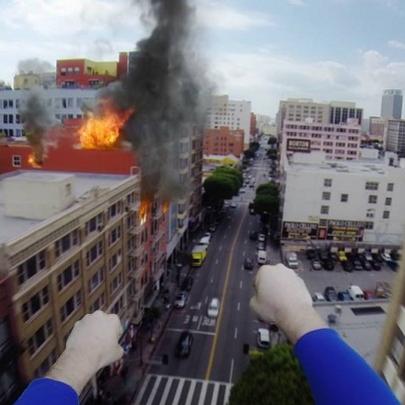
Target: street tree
218	188
272	140
272	153
274	378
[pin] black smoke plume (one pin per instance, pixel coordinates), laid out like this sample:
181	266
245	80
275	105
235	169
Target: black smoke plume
34	65
167	88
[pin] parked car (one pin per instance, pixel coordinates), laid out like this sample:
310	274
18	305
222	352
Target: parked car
367	265
333	256
376	257
233	205
248	263
253	236
385	256
344	296
347	266
213	308
393	265
292	260
263	338
311	254
261	237
318	297
184	344
342	256
356	293
261	257
395	255
187	283
180	300
316	265
330	294
375	265
368	294
357	265
261	246
328	264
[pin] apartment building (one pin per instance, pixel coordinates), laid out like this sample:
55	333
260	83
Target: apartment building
391	104
338	141
76	251
376	129
395	136
234	114
390	361
62	104
223	141
347	201
335	112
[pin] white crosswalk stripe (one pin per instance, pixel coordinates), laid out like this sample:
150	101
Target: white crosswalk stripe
172	390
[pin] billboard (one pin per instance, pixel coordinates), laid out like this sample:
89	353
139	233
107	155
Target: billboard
300	230
299	145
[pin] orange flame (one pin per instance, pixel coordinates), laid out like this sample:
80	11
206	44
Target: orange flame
32	161
143	211
103	131
165	206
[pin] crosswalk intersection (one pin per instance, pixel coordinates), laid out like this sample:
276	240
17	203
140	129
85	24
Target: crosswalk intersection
172	390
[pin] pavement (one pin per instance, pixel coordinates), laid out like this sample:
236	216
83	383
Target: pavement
217	359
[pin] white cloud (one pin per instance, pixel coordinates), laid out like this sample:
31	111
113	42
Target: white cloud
217	15
396	44
296	2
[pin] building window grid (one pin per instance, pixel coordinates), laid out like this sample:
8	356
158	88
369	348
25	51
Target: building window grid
38	339
94	253
96	280
35	304
70	306
372	199
344	197
66	243
69	275
31	267
371	185
324	209
16	160
327	182
326	195
386	215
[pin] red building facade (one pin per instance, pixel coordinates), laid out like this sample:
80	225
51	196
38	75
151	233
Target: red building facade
223	141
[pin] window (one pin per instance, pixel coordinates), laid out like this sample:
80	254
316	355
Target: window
68	275
114	235
98	303
66	243
116	283
31	267
370	213
115	260
114	209
326	195
386	215
16	160
327	182
94	223
325	209
71	305
390	187
118	306
369	225
388	201
94	253
46	364
372	199
96	280
371	185
35	303
39	337
344	197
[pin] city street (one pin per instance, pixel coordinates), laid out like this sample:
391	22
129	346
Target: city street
216	359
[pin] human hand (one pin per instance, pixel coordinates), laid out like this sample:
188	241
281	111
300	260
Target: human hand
282	297
92	344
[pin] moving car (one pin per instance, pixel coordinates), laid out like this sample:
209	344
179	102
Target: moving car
213	308
263	338
180	300
198	255
330	294
184	344
205	240
261	257
248	263
316	265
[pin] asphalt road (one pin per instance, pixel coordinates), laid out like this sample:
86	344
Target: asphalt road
217	358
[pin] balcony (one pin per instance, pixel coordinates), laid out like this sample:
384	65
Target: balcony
136	251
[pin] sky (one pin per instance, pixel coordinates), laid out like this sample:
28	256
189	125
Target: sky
257	50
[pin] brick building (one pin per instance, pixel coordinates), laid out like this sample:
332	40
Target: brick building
223	141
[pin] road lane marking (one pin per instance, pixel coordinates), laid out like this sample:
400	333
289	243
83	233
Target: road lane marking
235	335
166	391
241	285
217	261
206	300
238	306
187	319
224	293
212	280
195	331
203	393
143	389
190	392
215	394
244	254
231	372
199	322
154	390
178	392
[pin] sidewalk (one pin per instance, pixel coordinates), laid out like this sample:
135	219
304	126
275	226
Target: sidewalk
122	387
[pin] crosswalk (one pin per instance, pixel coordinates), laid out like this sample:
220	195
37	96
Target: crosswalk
171	390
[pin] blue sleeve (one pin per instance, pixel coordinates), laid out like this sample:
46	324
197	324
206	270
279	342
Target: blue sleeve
45	391
337	374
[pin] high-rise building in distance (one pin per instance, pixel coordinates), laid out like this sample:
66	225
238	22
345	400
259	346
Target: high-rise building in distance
391	104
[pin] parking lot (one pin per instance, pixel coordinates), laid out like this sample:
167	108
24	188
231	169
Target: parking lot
316	281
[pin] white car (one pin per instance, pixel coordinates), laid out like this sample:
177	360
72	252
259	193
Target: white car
261	237
261	257
263	338
386	256
292	260
180	300
213	308
233	205
318	297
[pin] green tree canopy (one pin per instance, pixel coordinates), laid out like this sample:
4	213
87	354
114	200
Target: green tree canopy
272	379
229	171
272	153
268	188
272	140
219	187
266	204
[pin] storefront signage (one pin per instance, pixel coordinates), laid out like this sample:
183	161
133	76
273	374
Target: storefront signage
299	145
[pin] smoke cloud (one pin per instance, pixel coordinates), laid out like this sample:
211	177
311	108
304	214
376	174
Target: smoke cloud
37	120
34	65
167	88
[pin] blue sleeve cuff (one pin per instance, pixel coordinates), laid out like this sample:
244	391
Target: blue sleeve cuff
337	374
45	391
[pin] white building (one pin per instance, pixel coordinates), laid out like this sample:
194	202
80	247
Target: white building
234	114
346	201
62	104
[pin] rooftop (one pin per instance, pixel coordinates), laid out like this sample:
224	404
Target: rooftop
11	227
361	331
